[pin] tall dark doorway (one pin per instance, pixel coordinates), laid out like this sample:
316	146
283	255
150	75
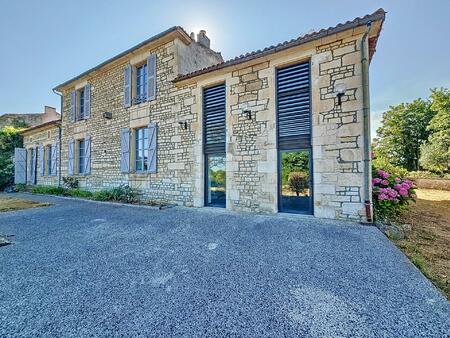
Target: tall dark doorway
214	145
295	181
294	139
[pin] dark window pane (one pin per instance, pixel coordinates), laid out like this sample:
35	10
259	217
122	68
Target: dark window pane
141	151
295	181
216	180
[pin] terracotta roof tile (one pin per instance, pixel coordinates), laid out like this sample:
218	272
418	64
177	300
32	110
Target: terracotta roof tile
377	15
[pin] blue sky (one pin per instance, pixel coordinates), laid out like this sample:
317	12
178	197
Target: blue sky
44	43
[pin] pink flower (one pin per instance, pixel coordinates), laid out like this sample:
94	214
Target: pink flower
392	193
403	192
376	180
385	182
382	197
397	186
397	180
414	196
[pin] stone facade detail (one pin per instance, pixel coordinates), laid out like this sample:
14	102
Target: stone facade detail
251	137
173	181
41	137
338	130
251	147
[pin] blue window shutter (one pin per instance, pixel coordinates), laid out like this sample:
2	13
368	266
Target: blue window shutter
151	77
125	150
127	86
152	147
71	157
87	155
54	155
33	166
20	166
87	101
73	100
41	160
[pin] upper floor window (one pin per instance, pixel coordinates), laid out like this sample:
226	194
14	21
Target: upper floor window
141	148
81	156
81	104
141	83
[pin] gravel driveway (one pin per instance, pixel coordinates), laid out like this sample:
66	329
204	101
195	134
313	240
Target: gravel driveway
82	269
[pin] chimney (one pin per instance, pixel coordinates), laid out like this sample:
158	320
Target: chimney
203	39
50	114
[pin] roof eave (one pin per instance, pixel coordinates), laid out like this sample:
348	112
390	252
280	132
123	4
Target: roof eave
40	126
180	32
378	15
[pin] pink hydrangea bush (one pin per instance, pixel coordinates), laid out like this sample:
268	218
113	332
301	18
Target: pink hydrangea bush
391	194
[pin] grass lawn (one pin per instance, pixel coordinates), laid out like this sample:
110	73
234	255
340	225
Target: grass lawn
428	243
10	204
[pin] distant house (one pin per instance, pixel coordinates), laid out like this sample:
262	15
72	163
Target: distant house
282	129
30	119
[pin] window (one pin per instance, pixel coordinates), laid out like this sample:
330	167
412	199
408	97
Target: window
49	160
141	163
81	104
81	156
141	84
214	136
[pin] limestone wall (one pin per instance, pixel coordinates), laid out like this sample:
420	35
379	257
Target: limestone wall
338	130
251	147
46	136
173	181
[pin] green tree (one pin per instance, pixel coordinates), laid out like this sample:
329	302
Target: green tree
435	154
9	139
402	132
293	161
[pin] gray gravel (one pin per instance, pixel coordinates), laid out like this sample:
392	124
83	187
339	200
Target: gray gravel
89	269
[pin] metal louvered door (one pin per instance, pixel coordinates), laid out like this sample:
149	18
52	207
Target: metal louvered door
214	140
293	91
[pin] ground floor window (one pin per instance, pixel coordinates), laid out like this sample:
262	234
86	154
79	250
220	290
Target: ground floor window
215	180
295	181
81	156
141	149
49	160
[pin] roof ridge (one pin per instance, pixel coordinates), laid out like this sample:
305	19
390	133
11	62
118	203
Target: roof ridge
127	51
378	14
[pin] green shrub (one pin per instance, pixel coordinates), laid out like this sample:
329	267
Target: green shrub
427	174
298	181
49	190
391	194
20	187
102	195
123	193
382	163
10	138
79	193
70	182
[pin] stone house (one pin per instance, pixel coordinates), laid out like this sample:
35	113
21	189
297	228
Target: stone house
283	129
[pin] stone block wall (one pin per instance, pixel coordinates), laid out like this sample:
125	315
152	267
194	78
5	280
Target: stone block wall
251	147
338	130
173	181
36	138
251	143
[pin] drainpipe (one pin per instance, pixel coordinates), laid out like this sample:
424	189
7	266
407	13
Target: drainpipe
366	121
59	137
